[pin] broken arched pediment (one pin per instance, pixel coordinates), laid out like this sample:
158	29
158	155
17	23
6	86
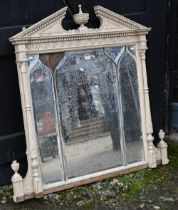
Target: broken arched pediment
51	25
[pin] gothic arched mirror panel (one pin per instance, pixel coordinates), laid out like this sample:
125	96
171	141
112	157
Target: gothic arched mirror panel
43	97
128	80
88	110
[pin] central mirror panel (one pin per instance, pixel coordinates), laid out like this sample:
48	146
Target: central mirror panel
88	102
89	112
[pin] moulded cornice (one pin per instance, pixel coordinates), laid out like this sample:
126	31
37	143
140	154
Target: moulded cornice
76	36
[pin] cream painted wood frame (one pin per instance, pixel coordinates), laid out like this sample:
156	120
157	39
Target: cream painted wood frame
48	36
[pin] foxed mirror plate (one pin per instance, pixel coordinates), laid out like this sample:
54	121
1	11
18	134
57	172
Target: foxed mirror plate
86	110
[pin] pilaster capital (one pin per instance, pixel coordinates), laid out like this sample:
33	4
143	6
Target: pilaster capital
21	65
141	52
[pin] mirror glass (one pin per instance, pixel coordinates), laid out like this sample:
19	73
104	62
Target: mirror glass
89	112
130	107
86	110
41	83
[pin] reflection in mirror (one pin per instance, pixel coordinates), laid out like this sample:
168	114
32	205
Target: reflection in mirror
89	111
128	98
131	49
45	119
98	111
130	106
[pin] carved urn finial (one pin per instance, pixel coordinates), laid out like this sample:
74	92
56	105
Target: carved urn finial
81	19
17	182
161	135
163	148
15	166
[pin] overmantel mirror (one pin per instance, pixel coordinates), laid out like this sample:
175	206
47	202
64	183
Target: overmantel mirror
85	102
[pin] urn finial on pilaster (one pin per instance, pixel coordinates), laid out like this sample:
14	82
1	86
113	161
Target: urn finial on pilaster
15	166
163	148
17	183
161	135
81	19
